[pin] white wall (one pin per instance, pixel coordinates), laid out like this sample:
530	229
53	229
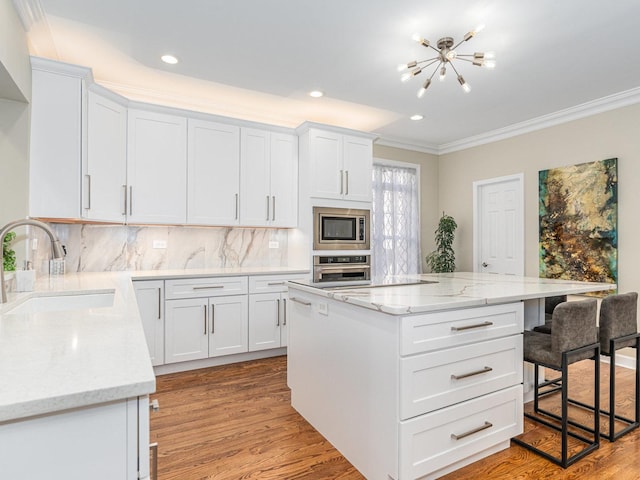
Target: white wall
429	210
607	135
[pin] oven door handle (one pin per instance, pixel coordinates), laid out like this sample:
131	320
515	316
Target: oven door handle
342	268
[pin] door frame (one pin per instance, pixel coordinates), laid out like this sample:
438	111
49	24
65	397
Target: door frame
477	188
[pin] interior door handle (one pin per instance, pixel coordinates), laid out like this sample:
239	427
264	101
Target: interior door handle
485	264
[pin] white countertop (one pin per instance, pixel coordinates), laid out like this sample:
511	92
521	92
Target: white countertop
57	360
452	290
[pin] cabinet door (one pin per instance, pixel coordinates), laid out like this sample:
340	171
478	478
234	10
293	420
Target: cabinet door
327	172
186	330
105	176
213	173
55	153
157	168
284	180
264	321
150	297
255	199
358	163
229	325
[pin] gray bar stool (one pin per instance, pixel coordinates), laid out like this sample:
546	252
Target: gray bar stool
619	329
574	337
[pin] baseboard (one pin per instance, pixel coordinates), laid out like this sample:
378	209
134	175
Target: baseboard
621	361
217	361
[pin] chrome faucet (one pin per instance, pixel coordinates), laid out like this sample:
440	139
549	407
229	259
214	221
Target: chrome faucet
55	246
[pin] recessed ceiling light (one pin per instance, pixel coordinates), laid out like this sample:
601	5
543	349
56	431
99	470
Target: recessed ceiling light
316	94
416	117
170	59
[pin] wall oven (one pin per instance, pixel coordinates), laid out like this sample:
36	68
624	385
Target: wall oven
340	229
332	270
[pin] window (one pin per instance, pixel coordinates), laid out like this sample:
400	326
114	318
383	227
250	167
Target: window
395	220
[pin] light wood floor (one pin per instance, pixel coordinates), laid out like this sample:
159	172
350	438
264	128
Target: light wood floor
236	422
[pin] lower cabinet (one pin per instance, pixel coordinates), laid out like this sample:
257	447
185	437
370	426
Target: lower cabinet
267	321
102	442
150	297
197	328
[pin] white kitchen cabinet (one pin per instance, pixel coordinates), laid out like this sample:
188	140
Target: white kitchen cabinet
105	168
213	166
150	297
268	178
156	168
339	166
102	442
56	148
205	317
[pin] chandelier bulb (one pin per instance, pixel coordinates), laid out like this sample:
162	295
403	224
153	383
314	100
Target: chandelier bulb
490	64
405	77
443	73
478	29
451	55
421	92
424	87
465	86
489	55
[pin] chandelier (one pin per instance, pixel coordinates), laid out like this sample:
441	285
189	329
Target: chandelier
446	55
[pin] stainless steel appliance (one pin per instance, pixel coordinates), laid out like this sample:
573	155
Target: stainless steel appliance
340	229
341	269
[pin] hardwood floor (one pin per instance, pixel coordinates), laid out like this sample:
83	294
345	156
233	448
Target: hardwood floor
236	422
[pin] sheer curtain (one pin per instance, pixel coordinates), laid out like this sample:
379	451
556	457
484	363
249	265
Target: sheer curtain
395	224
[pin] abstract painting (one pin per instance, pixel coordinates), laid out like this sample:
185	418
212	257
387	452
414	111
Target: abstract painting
578	208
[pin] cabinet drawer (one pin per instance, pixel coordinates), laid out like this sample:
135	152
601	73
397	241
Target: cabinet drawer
445	377
434	331
273	283
205	287
431	442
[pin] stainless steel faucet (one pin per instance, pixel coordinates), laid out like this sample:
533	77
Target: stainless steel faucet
55	246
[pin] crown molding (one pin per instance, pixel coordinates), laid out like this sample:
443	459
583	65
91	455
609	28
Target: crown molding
305	126
69	69
30	12
405	145
601	105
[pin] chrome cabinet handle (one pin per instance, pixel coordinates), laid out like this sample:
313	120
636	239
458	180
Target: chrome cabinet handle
236	206
213	319
301	302
267	208
471	374
272	284
346	175
469	327
284	315
273	210
159	303
277	312
130	200
207	287
341	182
205	319
471	432
154	463
88	177
124	190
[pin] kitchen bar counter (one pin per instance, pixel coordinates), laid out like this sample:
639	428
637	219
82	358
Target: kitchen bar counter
52	360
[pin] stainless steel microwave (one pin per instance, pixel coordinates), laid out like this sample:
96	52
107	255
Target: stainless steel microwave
340	229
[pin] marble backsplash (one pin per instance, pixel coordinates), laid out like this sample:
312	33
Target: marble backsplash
96	248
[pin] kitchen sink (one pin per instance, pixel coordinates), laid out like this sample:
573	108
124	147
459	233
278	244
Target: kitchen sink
59	303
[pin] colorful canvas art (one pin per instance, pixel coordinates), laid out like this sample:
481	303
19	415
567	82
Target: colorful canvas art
578	208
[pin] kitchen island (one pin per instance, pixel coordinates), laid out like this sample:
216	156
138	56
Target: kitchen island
414	381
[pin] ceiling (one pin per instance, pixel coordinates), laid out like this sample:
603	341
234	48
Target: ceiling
258	59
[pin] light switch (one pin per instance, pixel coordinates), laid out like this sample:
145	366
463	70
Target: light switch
274	244
159	244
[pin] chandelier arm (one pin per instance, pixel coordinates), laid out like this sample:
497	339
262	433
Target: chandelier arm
437	68
432	60
434	49
464	59
458	44
454	68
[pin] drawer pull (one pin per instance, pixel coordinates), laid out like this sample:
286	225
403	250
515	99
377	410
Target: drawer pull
469	327
208	288
471	374
273	284
471	432
301	302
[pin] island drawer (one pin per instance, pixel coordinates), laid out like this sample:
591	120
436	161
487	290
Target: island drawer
273	283
438	330
205	287
445	377
433	441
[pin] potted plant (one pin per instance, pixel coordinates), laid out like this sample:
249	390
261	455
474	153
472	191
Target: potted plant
443	259
8	254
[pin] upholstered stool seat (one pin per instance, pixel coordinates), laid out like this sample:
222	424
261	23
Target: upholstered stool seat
550	304
573	338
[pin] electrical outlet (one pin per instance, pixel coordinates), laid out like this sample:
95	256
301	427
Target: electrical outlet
34	244
274	244
159	244
323	309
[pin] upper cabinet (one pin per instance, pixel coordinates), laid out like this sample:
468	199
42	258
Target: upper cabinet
156	168
213	159
268	178
338	164
105	168
57	115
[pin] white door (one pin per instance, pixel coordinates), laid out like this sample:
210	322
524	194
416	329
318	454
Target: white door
150	295
186	329
499	225
213	166
284	180
255	198
327	171
264	320
229	325
358	163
